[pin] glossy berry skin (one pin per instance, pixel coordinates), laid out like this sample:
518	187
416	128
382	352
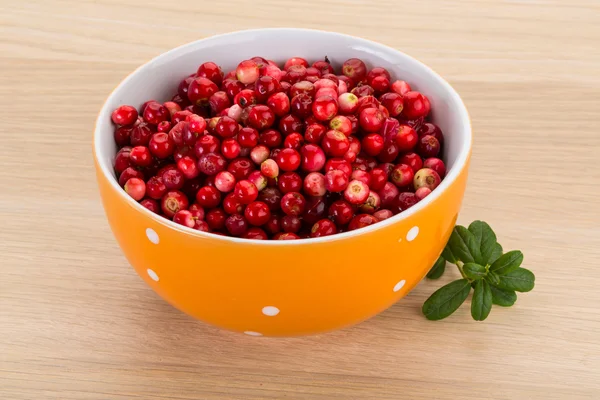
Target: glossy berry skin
172	202
236	225
406	138
400	87
155	188
380	84
341	212
293	203
372	144
208	197
294	74
136	188
240	168
347	103
247	72
363	91
212	71
428	146
361	220
314	184
383	214
342	124
200	90
255	234
426	177
231	205
271	196
258	179
247	137
206	144
289	182
279	103
301	105
356	192
257	213
336	181
402	175
313	158
314	133
197	211
355	69
437	165
371	119
216	219
270	138
429	128
140	156
151	205
259	154
290	224
362	176
413	160
290	124
185	218
422	192
378	179
230	148
388	195
187	166
325	108
340	164
288	160
261	117
245	191
122	135
245	98
226	127
225	181
371	204
285	236
335	143
393	102
406	200
416	105
295	61
322	228
323	67
265	86
303	87
124	115
155	113
211	163
140	135
293	141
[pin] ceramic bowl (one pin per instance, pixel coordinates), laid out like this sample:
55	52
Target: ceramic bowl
284	288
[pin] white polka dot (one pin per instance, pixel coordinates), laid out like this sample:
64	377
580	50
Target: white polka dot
399	285
250	333
412	234
152	275
270	311
152	235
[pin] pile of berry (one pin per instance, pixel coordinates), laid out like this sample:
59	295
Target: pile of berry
270	153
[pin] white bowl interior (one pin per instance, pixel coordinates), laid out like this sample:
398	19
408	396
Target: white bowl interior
158	79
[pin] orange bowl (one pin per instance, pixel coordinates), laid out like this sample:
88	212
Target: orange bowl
284	288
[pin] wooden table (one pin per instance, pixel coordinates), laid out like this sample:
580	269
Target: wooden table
77	323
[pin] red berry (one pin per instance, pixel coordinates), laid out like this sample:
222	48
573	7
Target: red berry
247	72
437	165
212	71
389	153
151	205
324	67
371	204
338	163
122	161
426	177
413	160
323	227
256	234
313	158
184	85
347	103
362	220
140	135
372	144
406	200
236	225
206	144
301	105
185	218
261	117
326	92
259	154
245	191
200	225
422	192
293	203
314	184
245	98
279	103
257	178
363	91
362	176
173	106
393	102
402	175
342	124
269	168
288	160
285	236
257	213
270	196
265	86
123	135
406	138
124	115
401	87
325	108
211	163
294	74
368	102
293	141
225	181
197	211
314	133
180	116
216	219
335	143
371	119
270	138
218	102
232	88
291	224
173	179
232	205
200	90
290	124
356	192
378	179
155	188
383	214
226	127
380	84
230	148
341	212
388	195
208	197
163	126
240	168
248	137
136	188
172	202
187	166
416	105
336	180
429	128
295	61
427	147
289	182
355	69
303	87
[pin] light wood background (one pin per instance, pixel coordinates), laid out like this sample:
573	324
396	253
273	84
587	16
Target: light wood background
77	323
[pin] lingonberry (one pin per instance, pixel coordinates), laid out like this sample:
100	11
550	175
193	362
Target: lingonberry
313	158
314	184
335	143
400	87
230	148
176	132
197	211
182	102
185	218
347	103
290	124
218	102
323	227
212	71
136	188
371	119
413	160
402	175
270	138
211	163
140	134
428	146
124	115
259	154
406	138
187	166
245	98
123	135
355	69
232	205
406	200
371	204
314	133
245	191
363	91
258	179
164	126
295	61
339	164
362	220
416	105
173	178
273	225
291	224
129	173
380	84
172	202
269	168
200	90
256	234
285	236
279	103
232	88
388	195
208	197
161	145
191	186
429	128
200	225
293	203
271	196
151	205
368	102
257	213
437	165
226	127
383	214
247	72
289	182
426	177
288	160
293	141
378	179
372	144
240	168
356	192
247	137
122	161
206	144
341	212
294	74
393	102
225	181
180	116
301	105
172	107
303	87
336	180
265	86
216	219
362	176
342	124
184	85
211	125
315	209
261	117
236	225
422	192
323	67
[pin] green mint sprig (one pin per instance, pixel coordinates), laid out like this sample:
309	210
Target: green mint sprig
494	276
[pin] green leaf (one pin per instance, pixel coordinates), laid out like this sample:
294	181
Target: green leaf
501	297
485	239
438	269
448	255
492	278
474	271
481	304
463	245
507	262
444	301
520	280
496	253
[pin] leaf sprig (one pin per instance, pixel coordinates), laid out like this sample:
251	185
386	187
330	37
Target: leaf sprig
493	275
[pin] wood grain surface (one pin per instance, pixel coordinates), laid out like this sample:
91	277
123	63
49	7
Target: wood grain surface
77	323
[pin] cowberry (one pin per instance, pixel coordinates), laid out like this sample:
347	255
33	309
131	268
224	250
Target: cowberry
301	105
124	115
378	179
402	175
269	168
216	219
236	225
323	227
212	71
187	166
422	192
232	205
271	196
335	143
342	124
270	138
400	87
208	197
356	192
426	177
173	178
429	128
361	220
371	204
225	181
172	202
406	200
393	102
200	90
256	234
336	180
288	160
388	195
293	141
437	165
247	72
413	160
362	176
140	135
290	124
428	146
240	168
341	212
185	218
383	214
151	205
355	69
372	144
314	133
211	163
314	184
245	191
279	103
291	224
416	105
136	188
293	203
371	119
289	182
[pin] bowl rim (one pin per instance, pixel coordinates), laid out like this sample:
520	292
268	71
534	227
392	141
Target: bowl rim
451	176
